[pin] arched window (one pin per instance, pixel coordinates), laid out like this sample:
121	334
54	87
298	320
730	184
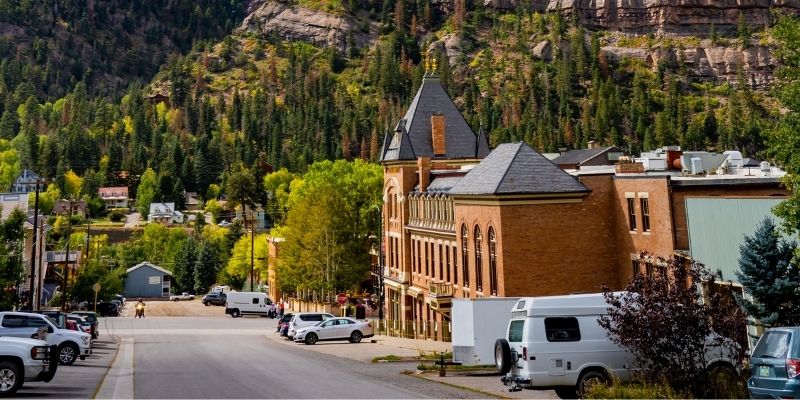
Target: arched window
492	262
478	260
392	200
465	254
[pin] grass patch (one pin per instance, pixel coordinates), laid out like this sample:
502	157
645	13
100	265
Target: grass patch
631	390
386	358
435	355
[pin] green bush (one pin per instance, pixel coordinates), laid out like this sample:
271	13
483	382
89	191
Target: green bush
116	216
631	390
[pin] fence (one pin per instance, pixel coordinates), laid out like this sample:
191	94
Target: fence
441	331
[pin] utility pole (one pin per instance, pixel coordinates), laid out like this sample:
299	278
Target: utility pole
66	260
252	252
32	304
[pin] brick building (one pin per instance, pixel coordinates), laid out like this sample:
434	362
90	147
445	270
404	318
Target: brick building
460	221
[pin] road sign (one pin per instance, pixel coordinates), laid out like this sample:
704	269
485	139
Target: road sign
96	288
341	298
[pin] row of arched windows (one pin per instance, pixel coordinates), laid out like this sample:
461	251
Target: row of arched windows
477	238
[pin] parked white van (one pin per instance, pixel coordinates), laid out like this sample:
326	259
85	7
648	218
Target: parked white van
556	342
242	303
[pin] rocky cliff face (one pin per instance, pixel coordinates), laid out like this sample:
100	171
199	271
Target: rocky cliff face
717	64
682	17
311	26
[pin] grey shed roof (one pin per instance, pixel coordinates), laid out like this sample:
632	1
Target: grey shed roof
516	168
412	136
442	184
579	156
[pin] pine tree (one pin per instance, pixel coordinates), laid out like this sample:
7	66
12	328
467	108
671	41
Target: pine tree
206	267
184	266
768	274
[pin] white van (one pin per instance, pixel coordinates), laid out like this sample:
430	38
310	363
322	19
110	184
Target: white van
221	289
556	342
242	303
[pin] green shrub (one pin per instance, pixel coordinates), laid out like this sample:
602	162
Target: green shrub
116	216
631	390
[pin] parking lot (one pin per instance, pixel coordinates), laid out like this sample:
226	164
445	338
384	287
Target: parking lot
184	308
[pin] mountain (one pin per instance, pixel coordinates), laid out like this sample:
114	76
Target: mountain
288	83
107	44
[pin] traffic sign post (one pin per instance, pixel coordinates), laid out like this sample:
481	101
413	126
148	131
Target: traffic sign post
96	288
341	298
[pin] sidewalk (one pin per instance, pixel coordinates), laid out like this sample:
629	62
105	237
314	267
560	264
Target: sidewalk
486	382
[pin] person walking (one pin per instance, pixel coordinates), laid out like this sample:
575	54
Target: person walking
281	308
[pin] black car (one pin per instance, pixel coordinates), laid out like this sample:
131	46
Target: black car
106	309
215	298
283	323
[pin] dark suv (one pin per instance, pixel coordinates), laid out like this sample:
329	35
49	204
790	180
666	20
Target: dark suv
107	309
215	298
775	365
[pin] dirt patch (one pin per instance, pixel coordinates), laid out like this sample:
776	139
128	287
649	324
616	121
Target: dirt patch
190	308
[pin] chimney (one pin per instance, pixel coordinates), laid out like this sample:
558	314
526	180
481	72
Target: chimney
437	134
592	144
424	171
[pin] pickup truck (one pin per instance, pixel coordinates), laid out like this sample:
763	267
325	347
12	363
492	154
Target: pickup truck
182	296
70	344
33	332
25	360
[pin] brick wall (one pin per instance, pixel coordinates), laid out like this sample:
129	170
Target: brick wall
659	239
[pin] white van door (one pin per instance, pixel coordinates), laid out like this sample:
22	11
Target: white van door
559	331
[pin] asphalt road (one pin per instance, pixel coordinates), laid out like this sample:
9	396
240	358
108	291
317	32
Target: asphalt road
219	357
79	380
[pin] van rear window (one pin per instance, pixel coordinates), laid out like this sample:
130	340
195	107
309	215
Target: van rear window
562	329
773	344
515	331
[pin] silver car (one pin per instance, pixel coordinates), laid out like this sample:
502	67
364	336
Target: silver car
302	320
335	329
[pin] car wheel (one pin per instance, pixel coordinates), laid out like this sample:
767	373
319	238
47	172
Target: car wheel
67	353
355	337
235	314
11	378
502	356
311	338
205	303
588	379
723	378
566	393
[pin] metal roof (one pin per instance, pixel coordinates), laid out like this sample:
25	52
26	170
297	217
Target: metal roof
578	156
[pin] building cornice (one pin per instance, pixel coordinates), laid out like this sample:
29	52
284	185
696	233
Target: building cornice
521	199
432	231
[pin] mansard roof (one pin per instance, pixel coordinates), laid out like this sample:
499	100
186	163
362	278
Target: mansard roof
516	168
411	137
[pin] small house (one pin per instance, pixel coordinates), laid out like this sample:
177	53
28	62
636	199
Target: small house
147	280
191	201
164	213
114	197
26	182
11	201
62	207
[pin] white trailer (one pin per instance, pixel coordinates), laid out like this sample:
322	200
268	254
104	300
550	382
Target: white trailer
477	323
